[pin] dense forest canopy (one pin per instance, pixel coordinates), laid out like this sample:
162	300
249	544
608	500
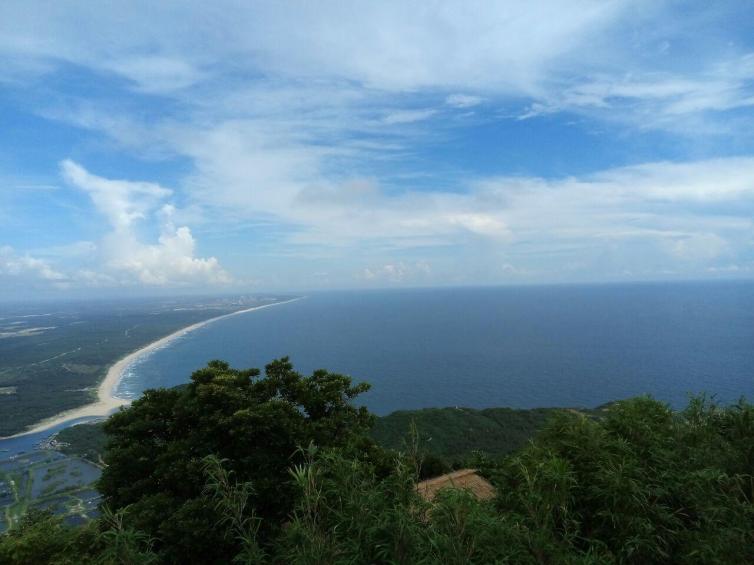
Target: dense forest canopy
281	468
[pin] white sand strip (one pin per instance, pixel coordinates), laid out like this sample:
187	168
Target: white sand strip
106	401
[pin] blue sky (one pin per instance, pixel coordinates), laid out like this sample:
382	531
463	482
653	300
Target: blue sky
222	146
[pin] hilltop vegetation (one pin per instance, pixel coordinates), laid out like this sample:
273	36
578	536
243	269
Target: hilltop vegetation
450	434
280	468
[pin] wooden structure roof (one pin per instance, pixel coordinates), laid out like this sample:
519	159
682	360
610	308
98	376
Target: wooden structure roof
467	479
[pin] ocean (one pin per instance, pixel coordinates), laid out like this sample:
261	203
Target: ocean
523	347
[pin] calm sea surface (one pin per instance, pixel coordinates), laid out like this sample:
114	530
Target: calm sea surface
520	347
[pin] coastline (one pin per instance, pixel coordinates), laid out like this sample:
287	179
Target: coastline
107	402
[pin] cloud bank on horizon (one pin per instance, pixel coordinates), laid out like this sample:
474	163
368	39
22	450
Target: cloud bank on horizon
287	145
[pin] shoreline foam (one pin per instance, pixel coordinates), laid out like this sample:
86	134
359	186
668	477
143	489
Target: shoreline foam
107	402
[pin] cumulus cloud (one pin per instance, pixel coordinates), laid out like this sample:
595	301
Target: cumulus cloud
14	265
169	261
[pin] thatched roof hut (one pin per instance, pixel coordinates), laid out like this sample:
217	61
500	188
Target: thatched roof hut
467	479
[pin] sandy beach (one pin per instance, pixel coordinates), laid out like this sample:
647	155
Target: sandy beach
106	401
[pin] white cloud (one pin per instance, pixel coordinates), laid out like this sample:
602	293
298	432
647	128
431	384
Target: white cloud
398	272
697	247
122	202
170	261
661	209
302	134
711	180
654	212
75	250
247	175
26	266
157	74
646	200
391	45
408	116
559	56
656	99
463	100
480	223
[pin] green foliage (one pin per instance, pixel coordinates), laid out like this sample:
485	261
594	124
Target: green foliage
84	440
629	487
231	501
622	489
157	449
448	435
215	472
346	514
122	544
453	434
333	491
39	538
42	537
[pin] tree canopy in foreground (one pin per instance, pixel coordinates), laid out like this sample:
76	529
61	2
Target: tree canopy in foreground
279	468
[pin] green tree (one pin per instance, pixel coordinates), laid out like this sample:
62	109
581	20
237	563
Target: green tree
641	485
40	537
157	447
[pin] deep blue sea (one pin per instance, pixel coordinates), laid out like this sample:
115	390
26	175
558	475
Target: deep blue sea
576	346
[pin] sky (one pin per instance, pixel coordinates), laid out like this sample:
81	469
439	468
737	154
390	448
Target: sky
150	147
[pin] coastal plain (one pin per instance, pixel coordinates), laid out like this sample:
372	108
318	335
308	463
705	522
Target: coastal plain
53	356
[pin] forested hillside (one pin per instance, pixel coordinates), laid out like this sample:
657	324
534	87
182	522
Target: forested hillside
452	434
455	433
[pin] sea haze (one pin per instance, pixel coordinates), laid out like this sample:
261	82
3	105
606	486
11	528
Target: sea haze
524	347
